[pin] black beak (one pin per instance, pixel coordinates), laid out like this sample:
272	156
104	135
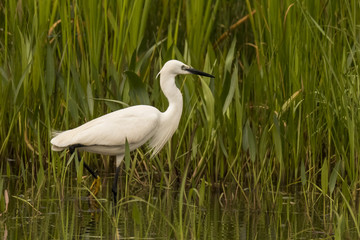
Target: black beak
197	72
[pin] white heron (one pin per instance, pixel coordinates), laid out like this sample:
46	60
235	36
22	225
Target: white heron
137	124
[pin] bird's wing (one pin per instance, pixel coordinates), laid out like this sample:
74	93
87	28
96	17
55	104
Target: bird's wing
136	124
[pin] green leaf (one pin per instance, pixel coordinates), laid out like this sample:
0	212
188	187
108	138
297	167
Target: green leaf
333	177
263	143
277	142
50	71
233	85
127	156
136	215
202	192
90	99
209	103
230	56
40	177
325	177
303	175
249	141
138	92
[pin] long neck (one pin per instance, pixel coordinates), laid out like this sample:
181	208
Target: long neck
171	117
173	94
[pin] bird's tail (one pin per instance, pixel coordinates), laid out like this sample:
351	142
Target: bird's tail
54	133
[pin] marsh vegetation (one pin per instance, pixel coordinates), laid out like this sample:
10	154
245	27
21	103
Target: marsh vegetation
272	140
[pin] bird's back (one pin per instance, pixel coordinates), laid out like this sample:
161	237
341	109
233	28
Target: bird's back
108	134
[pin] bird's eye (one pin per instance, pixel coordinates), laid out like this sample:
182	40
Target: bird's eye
183	67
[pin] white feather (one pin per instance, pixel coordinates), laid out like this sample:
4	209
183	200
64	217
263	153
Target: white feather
138	124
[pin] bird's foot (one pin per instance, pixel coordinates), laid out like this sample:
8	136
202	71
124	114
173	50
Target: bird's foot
95	186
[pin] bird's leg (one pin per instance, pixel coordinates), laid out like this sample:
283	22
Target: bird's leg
114	187
95	186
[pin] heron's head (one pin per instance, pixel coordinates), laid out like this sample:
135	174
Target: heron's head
175	67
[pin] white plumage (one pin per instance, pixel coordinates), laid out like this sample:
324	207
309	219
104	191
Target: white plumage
107	134
137	124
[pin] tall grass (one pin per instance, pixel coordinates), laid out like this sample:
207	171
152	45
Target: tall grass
281	113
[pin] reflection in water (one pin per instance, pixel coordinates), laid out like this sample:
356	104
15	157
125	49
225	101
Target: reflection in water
158	214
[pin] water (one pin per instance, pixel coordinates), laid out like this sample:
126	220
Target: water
154	213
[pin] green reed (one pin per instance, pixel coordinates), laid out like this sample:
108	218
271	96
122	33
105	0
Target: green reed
281	114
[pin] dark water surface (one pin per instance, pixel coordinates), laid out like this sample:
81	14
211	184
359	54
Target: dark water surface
154	213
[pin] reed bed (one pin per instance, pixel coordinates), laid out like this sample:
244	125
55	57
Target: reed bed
280	116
